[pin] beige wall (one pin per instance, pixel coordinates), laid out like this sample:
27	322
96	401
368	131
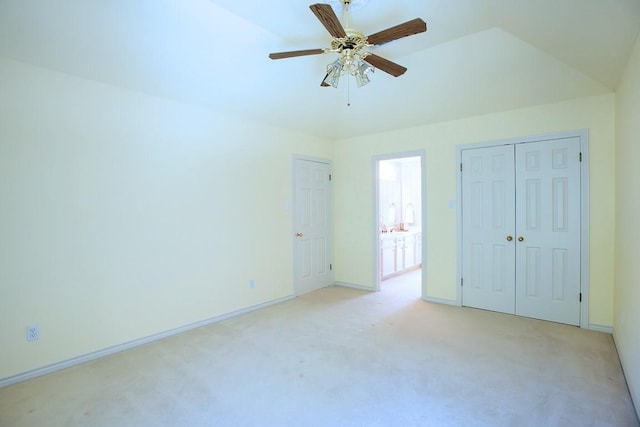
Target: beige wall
627	250
124	215
353	191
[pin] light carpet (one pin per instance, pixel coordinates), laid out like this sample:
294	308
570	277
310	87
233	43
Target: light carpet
343	357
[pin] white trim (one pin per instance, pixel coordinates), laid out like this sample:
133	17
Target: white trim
331	260
376	213
600	328
131	344
459	149
583	136
635	402
451	302
584	224
354	286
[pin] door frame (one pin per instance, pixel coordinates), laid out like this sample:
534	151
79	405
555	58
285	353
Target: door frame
376	214
583	136
293	207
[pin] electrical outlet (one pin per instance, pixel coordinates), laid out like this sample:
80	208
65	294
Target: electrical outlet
33	333
252	283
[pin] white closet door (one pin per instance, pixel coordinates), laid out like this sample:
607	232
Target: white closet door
548	230
488	221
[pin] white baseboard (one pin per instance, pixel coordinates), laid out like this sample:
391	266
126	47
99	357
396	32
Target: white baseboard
442	301
635	398
600	328
131	344
353	286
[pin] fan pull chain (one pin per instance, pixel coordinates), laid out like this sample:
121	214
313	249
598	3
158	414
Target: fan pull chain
348	91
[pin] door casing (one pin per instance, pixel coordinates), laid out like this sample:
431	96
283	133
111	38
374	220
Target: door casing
583	135
376	214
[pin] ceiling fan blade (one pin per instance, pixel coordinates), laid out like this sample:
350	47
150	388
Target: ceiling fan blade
328	18
385	65
409	28
291	54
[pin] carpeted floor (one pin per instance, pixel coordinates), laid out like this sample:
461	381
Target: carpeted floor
342	357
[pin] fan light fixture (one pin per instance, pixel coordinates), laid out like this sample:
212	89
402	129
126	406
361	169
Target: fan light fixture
356	67
352	55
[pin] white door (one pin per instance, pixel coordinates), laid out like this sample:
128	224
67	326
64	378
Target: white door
521	225
548	230
488	224
312	226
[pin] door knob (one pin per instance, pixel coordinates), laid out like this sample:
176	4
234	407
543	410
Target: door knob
520	239
298	234
509	238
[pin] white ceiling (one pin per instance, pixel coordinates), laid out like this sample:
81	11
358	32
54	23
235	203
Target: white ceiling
477	57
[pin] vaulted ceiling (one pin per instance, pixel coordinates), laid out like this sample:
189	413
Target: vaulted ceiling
477	57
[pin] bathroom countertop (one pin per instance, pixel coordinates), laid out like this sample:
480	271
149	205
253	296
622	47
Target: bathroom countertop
394	234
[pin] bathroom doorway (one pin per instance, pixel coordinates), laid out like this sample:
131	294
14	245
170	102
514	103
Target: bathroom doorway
399	236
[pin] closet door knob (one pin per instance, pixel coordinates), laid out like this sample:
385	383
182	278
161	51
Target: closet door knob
520	239
298	234
509	238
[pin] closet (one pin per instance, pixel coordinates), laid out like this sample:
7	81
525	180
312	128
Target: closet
521	229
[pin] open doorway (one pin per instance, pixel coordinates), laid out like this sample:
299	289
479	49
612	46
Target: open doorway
399	220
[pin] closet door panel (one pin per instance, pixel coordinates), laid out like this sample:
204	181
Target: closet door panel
488	258
548	230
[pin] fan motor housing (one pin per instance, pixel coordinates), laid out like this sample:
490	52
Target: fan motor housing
355	40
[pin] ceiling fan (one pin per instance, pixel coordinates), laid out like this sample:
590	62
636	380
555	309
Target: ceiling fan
352	46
